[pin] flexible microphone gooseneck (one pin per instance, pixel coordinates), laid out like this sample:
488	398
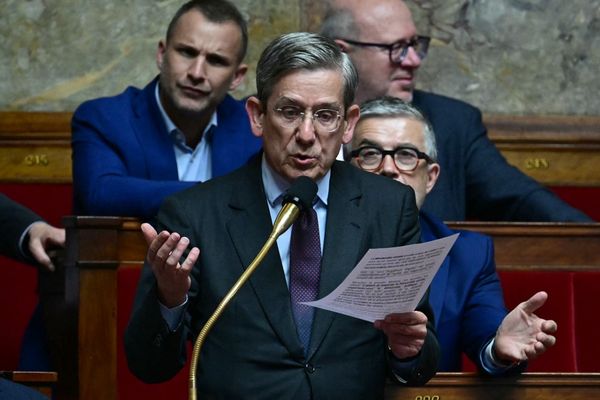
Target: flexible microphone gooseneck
299	197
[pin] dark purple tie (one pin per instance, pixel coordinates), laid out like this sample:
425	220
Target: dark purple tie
305	268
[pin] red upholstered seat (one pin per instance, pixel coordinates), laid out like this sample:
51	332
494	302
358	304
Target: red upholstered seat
18	298
18	291
586	305
584	198
520	285
573	303
129	387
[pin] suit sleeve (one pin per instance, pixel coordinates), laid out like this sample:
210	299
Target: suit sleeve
155	353
499	191
484	310
14	219
102	179
423	367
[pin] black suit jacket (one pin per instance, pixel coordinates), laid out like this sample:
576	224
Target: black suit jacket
14	219
253	350
475	179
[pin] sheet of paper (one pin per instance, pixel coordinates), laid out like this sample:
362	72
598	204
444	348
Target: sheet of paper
390	280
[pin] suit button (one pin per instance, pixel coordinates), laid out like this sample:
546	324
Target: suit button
309	368
157	342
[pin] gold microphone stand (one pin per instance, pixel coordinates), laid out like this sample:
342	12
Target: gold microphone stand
284	220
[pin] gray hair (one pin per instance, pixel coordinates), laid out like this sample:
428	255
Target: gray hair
303	51
392	107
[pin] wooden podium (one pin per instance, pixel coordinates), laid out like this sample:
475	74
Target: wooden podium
528	386
39	380
84	290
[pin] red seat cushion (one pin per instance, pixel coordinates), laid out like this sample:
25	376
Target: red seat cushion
587	325
129	387
520	285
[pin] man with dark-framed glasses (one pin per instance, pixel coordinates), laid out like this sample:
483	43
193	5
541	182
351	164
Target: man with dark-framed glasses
371	157
385	46
393	139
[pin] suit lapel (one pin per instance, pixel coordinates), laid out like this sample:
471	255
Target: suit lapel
431	231
343	236
249	229
153	137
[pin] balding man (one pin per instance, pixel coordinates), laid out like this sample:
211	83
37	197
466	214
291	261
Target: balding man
385	46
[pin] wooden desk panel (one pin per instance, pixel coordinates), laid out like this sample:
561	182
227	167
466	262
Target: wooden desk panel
98	246
547	246
540	245
39	380
35	147
528	386
555	150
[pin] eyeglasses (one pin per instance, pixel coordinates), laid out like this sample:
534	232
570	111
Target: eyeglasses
398	50
370	158
324	120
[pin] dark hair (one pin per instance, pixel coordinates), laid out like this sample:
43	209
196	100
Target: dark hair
303	51
217	11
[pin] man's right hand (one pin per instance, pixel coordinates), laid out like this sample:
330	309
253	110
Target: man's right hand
164	252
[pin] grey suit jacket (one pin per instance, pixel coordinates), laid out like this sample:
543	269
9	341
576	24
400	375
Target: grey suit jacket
253	350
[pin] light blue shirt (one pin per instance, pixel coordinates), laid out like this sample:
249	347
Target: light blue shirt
275	188
193	165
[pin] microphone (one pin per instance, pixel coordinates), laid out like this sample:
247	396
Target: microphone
298	197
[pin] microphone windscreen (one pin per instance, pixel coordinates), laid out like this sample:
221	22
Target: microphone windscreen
302	192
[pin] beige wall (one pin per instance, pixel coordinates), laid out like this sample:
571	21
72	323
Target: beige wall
506	56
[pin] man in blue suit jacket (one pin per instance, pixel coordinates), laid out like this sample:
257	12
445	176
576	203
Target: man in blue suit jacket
15	391
381	39
465	294
132	150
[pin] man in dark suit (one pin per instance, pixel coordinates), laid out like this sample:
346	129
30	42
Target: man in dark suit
304	112
132	150
27	238
381	39
466	296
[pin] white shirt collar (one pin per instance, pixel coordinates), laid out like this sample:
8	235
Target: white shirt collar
171	127
276	186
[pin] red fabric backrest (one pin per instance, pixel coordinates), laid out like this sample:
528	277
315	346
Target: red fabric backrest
586	288
573	304
520	285
584	198
18	291
129	387
18	298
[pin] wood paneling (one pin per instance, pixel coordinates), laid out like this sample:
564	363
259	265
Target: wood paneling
35	147
555	150
528	386
40	381
98	246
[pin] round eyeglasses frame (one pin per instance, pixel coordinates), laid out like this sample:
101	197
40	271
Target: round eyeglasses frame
295	120
359	154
